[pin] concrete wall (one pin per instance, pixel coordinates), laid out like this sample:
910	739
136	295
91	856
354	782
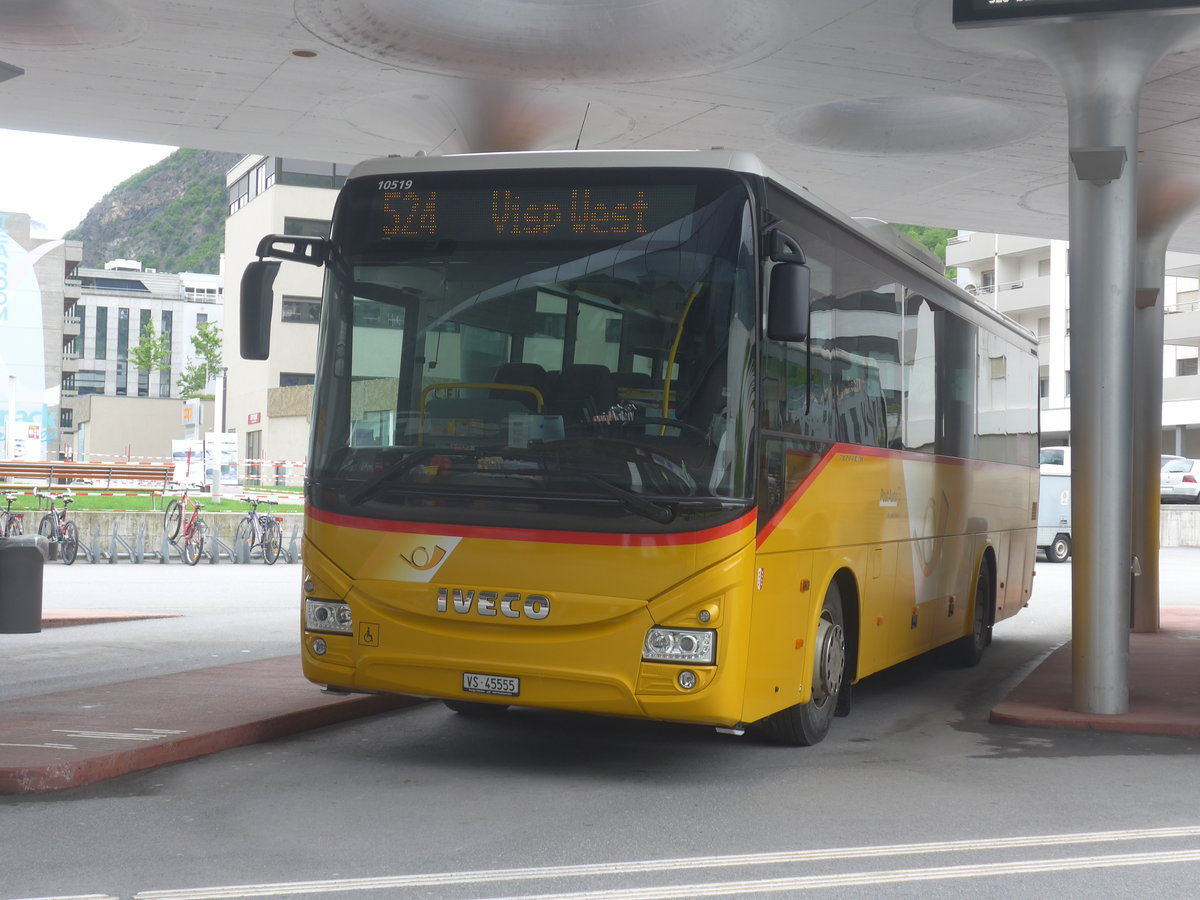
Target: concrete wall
1179	526
96	529
137	426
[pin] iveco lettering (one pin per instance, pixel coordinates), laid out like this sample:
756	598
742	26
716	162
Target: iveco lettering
492	603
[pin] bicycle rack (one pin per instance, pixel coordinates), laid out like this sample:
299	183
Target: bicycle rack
116	553
293	552
215	548
115	548
166	550
242	552
93	552
140	546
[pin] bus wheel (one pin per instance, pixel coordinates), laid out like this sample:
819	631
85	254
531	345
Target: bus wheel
471	708
806	724
967	651
1059	550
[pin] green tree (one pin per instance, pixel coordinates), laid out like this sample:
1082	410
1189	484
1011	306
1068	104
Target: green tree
153	350
205	365
933	238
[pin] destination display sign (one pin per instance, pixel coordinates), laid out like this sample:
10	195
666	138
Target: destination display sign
404	209
968	13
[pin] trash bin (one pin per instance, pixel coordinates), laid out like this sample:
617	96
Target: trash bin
21	562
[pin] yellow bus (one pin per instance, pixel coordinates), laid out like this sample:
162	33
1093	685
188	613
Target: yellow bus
649	434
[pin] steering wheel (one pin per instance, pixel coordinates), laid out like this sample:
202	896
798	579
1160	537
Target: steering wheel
671	480
669	423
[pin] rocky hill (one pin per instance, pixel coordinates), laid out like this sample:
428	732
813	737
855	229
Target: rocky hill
170	216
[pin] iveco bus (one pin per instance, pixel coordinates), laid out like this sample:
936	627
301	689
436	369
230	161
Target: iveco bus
649	434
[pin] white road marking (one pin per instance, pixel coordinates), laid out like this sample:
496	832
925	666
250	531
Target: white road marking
861	879
44	746
142	735
486	876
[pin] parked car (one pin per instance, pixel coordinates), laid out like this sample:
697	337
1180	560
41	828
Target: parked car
1180	480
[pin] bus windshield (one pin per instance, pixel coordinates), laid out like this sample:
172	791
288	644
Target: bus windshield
553	350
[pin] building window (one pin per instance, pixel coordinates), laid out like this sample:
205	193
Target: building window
143	389
68	383
66	417
101	332
89	381
307	173
1186	366
1044	267
306	227
164	374
292	379
301	309
122	352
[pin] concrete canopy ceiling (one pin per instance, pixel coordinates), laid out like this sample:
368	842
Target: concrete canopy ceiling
879	106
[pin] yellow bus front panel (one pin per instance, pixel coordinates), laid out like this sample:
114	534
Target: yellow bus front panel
566	620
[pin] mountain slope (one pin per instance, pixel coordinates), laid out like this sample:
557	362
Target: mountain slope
170	217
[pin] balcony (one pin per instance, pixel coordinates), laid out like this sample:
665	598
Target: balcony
72	289
1181	325
70	363
70	326
1015	297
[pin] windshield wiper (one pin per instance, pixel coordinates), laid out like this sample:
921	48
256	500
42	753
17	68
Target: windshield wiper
403	464
655	512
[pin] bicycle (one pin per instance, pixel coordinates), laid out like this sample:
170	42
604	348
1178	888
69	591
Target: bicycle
11	523
193	528
259	530
55	527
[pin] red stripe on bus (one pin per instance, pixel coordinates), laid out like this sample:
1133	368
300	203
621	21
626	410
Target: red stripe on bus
534	534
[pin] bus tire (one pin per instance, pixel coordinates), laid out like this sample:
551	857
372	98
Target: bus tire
806	724
1059	549
967	651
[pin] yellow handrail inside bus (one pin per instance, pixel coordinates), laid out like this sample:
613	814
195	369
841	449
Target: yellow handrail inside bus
700	285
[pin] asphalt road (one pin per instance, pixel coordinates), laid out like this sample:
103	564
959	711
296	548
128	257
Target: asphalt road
915	794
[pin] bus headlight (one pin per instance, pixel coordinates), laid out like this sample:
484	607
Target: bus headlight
680	645
328	616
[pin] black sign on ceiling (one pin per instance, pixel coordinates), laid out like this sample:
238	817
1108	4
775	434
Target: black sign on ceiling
972	13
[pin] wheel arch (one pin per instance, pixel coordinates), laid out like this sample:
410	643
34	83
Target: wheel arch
988	561
851	598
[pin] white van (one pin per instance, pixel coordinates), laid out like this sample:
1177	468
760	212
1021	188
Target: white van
1054	503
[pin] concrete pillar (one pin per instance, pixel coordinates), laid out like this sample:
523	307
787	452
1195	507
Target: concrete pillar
1165	199
1102	65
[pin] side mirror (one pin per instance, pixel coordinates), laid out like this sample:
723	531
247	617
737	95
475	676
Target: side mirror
787	302
255	313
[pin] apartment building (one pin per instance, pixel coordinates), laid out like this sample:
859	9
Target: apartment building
269	402
38	334
1027	279
120	410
